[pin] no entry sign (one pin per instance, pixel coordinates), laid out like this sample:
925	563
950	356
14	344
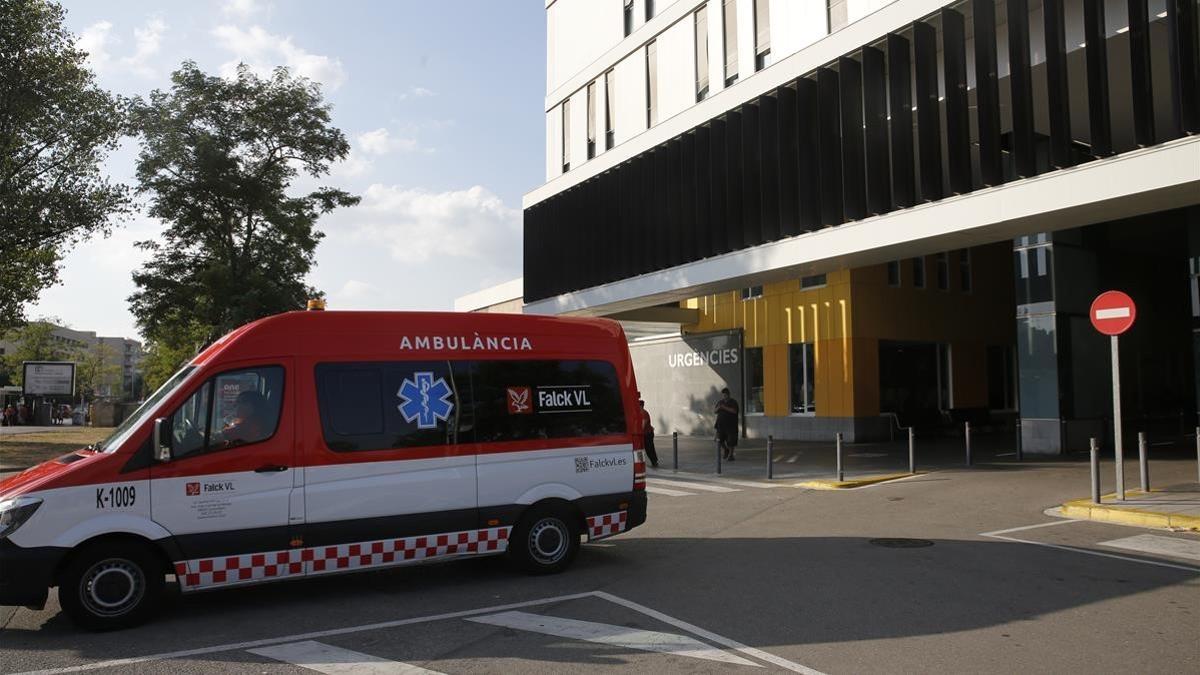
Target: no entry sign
1113	312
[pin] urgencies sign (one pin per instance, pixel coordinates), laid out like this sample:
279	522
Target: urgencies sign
693	359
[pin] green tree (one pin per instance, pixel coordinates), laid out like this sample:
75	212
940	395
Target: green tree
218	156
163	358
56	129
34	342
97	370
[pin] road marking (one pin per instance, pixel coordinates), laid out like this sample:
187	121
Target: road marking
708	635
670	493
792	459
687	484
999	534
253	644
1153	543
608	634
332	660
724	481
1029	527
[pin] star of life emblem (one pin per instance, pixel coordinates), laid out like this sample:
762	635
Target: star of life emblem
425	400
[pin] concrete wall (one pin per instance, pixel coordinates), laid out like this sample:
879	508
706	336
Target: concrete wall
681	378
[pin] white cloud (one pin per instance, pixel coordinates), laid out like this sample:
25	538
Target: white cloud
262	51
351	291
242	9
381	142
417	92
95	40
416	225
352	167
148	39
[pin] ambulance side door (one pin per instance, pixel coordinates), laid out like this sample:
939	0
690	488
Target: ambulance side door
227	489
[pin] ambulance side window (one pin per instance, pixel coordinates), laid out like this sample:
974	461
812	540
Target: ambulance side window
189	424
232	409
534	400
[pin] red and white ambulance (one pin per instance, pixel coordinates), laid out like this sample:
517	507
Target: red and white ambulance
313	443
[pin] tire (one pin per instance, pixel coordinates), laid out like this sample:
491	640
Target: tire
112	585
545	541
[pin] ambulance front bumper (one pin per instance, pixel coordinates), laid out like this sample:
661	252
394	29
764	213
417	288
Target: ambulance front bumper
26	574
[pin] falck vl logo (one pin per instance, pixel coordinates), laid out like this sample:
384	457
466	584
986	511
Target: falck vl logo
518	401
425	400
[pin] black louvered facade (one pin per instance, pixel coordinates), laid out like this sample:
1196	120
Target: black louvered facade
842	143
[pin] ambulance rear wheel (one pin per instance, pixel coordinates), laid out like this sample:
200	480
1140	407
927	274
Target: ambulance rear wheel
545	541
111	585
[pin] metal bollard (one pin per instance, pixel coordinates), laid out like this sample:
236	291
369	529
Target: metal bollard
1094	449
675	449
1198	454
718	442
1143	464
841	476
912	455
967	439
770	457
1017	426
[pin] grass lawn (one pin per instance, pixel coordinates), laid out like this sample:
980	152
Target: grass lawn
25	450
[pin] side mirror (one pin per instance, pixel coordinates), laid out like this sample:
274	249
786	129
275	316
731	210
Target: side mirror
162	440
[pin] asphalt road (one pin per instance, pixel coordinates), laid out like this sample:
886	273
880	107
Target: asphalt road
737	578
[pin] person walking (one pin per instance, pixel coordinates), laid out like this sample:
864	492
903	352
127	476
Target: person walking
727	424
648	435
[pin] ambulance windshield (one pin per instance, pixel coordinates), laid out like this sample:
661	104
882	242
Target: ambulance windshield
135	420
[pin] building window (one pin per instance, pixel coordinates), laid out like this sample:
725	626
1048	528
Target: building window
943	271
649	9
591	120
628	17
701	25
651	84
893	274
752	293
754	380
964	269
566	135
610	109
762	34
802	373
836	14
918	270
814	281
730	28
1002	386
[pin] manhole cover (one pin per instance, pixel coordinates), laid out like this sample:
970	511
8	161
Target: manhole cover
902	543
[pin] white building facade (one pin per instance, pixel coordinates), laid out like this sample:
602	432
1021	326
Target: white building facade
788	170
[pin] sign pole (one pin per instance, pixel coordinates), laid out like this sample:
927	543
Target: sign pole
1116	393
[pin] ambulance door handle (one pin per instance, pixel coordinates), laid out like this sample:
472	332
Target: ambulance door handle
270	468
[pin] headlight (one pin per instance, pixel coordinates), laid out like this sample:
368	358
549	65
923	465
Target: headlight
15	512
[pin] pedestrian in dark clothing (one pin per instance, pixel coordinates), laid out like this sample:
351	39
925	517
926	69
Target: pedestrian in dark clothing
648	435
727	424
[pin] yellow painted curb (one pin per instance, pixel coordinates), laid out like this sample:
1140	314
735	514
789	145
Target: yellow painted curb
828	484
1123	515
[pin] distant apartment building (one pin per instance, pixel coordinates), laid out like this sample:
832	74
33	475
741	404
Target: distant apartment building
122	354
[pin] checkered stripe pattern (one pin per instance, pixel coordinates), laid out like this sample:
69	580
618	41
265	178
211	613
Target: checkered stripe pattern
208	572
607	525
227	570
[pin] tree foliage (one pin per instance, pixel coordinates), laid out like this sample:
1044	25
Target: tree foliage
56	128
33	341
95	368
217	158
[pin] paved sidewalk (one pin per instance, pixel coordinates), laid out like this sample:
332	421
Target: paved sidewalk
20	430
1176	507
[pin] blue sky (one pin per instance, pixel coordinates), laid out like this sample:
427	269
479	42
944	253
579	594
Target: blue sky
442	104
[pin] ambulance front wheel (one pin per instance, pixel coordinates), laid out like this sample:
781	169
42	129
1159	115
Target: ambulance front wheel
545	541
111	585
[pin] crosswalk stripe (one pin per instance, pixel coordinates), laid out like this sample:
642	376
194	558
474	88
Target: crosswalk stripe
669	493
617	636
708	487
726	481
1153	543
331	660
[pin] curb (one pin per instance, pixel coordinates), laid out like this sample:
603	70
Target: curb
1084	509
829	484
